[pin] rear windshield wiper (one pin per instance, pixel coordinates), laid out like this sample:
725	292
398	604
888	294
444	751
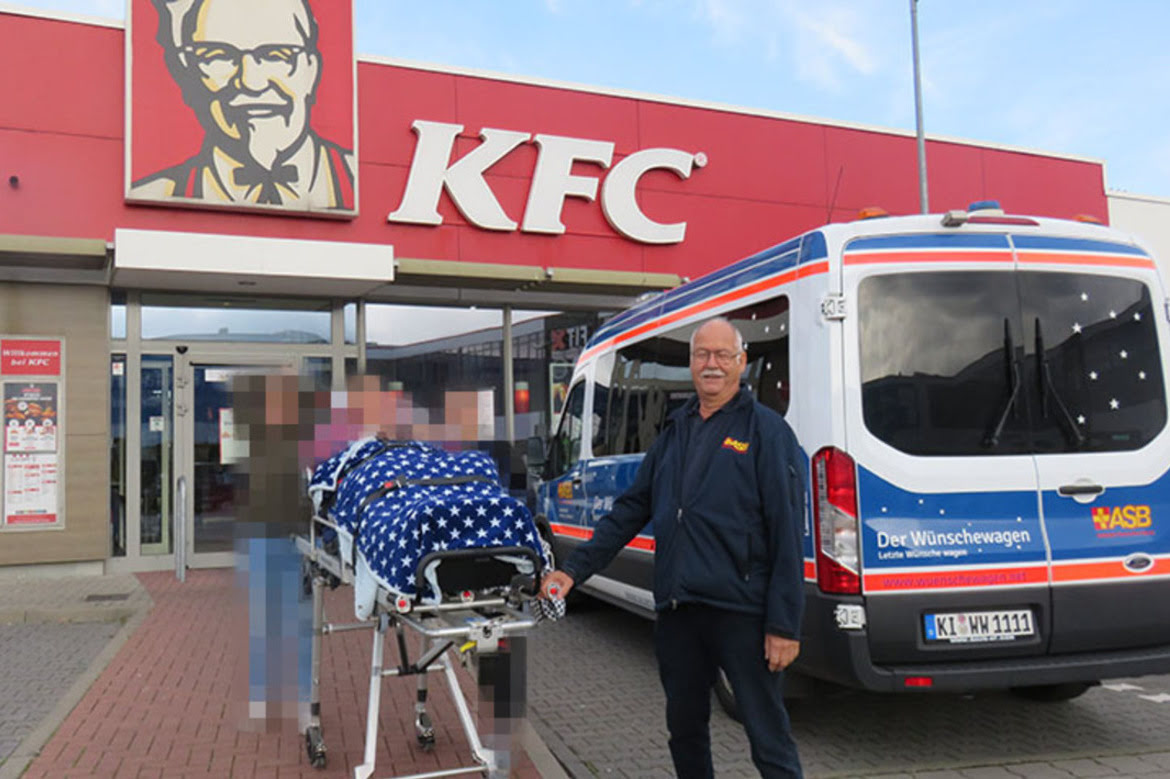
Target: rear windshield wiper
1048	390
991	438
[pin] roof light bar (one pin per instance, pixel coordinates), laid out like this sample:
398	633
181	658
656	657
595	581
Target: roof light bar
985	205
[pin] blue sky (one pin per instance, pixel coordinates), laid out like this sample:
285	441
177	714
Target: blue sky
1068	76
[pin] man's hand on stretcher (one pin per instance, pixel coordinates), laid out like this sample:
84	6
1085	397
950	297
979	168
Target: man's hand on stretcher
556	585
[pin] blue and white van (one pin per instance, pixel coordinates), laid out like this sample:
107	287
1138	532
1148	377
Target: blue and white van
982	404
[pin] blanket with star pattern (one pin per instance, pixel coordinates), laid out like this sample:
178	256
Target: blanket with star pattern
394	502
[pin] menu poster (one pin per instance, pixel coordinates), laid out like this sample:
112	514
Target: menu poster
30	489
30	416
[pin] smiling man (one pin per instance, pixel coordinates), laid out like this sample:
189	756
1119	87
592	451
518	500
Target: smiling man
722	484
250	71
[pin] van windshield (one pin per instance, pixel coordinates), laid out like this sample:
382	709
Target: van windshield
1001	362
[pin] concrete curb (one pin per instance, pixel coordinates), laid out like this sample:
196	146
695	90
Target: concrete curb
538	752
31	746
559	752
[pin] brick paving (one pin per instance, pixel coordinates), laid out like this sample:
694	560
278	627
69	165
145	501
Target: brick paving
171	703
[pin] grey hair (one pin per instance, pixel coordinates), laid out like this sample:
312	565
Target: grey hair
739	347
177	19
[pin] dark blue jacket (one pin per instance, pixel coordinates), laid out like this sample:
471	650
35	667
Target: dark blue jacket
732	535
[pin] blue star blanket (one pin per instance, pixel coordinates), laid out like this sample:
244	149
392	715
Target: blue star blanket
395	502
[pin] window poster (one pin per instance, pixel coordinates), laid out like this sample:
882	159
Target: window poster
30	417
559	376
30	489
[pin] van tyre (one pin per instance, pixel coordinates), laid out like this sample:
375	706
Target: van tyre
574	598
1053	693
726	696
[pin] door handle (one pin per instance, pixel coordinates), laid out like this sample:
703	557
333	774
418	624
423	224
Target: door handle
576	481
1073	490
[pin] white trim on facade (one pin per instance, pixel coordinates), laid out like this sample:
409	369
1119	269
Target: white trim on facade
237	263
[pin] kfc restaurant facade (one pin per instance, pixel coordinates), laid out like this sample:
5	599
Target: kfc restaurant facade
211	188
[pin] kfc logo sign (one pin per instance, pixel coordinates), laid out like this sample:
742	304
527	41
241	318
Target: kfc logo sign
432	171
243	105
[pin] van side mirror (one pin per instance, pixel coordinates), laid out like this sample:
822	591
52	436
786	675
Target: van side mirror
535	455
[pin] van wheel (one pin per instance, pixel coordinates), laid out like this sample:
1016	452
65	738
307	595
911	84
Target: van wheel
1053	693
547	547
726	696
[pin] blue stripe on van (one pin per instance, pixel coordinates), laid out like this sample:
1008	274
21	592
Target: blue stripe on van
930	241
813	247
1074	245
769	262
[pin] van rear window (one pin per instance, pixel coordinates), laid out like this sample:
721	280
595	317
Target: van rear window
1009	362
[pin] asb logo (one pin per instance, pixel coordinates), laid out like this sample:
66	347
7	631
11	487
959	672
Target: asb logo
736	446
1118	519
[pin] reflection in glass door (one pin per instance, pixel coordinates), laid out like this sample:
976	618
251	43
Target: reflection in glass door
157	455
213	453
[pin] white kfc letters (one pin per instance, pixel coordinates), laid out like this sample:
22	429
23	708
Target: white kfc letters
552	182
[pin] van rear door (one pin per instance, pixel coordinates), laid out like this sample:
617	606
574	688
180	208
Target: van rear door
1095	350
953	547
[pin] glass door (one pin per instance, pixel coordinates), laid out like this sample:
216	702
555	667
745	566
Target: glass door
211	450
157	455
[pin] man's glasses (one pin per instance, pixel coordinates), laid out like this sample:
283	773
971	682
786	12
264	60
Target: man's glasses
221	61
722	356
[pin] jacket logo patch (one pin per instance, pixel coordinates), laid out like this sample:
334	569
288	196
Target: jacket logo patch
737	446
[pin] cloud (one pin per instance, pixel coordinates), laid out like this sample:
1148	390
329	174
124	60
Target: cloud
724	17
824	43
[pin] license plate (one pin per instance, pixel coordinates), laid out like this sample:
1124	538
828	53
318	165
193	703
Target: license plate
962	627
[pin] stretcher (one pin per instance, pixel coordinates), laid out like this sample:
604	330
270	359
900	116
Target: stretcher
461	582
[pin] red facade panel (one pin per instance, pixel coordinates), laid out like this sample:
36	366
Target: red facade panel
766	179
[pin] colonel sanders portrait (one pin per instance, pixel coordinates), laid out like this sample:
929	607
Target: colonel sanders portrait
250	71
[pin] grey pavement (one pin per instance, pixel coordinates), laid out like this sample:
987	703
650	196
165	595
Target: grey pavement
57	634
41	663
595	699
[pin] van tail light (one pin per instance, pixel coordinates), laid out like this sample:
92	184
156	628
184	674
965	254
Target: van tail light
835	521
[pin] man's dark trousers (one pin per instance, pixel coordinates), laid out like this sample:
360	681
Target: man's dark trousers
692	642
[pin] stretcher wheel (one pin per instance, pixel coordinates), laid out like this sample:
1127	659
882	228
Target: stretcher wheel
425	732
306	581
315	746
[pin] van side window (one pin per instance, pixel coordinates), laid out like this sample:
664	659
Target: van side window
566	444
652	378
765	333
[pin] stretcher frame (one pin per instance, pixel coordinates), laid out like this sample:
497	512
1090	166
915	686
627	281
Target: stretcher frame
487	632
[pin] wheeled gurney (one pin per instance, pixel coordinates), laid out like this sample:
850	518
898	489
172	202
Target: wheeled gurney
433	546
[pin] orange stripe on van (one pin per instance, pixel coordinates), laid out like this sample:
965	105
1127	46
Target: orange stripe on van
954	578
810	570
1070	258
573	531
643	543
927	255
799	272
